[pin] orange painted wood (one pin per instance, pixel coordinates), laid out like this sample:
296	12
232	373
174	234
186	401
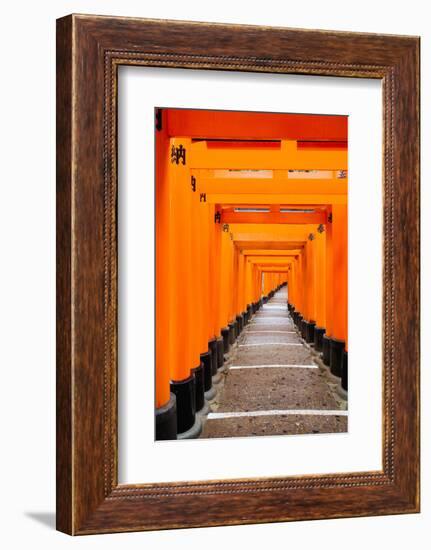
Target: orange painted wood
179	348
225	278
322	144
272	269
250	125
196	277
329	294
273	186
231	288
320	279
300	283
291	299
240	304
268	252
273	260
163	271
215	255
273	218
340	264
272	230
213	262
203	273
287	156
284	200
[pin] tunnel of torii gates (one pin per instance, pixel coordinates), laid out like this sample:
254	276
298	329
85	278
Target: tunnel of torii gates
245	203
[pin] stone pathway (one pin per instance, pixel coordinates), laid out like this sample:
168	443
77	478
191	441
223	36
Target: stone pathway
271	385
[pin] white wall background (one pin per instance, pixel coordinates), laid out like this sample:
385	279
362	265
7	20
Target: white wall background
27	276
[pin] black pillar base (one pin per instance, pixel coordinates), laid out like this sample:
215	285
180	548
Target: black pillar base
344	371
318	338
166	420
326	350
235	329
249	312
244	318
220	350
231	333
336	356
309	331
185	393
208	376
239	323
225	336
303	327
299	320
199	386
212	346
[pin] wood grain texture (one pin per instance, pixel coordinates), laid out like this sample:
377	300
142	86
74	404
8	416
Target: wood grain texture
90	49
64	496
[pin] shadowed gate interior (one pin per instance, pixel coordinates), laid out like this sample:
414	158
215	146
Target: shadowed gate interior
251	274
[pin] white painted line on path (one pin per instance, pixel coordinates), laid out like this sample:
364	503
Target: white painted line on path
273	366
270	332
305	412
270	344
264	317
282	326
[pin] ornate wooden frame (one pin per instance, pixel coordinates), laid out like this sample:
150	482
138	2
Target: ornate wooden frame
89	50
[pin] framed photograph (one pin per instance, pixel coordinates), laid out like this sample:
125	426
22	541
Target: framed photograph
237	274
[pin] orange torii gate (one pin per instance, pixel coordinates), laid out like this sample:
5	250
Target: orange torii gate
271	264
215	124
207	283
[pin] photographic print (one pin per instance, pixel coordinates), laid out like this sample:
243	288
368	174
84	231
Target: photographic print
251	273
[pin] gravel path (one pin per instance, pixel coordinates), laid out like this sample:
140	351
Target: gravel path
272	386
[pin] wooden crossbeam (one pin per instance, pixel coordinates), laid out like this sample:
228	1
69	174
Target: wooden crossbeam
273	218
272	231
272	186
288	156
251	125
281	199
272	260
